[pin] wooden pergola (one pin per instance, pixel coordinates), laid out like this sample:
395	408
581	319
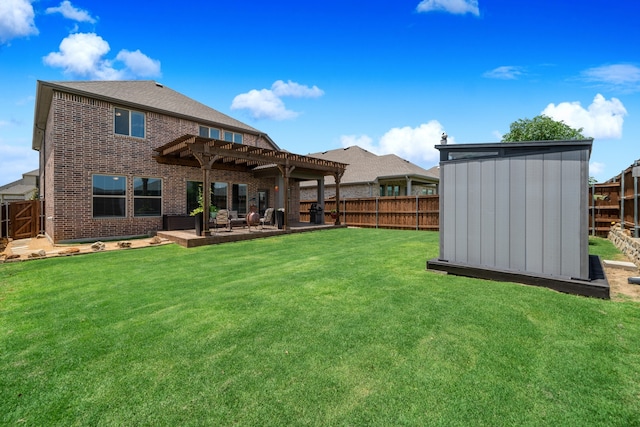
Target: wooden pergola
209	153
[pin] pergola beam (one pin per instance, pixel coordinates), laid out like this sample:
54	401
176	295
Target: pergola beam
184	146
209	153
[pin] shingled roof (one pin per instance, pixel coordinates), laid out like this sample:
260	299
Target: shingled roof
365	167
146	95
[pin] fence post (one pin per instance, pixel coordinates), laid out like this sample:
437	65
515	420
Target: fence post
377	210
593	209
417	213
622	200
344	211
4	219
635	201
41	218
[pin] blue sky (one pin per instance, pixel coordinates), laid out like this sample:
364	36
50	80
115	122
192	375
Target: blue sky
390	76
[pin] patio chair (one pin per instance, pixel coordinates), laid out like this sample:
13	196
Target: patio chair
223	219
237	220
267	219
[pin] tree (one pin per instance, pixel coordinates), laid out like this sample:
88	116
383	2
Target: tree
541	128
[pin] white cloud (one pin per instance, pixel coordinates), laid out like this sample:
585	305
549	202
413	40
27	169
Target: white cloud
416	145
82	54
602	119
70	12
295	90
507	72
16	20
268	104
623	77
458	7
139	63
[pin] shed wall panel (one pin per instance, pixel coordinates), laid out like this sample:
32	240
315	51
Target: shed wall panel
517	213
534	204
502	241
475	186
584	215
552	213
447	220
461	212
488	213
570	187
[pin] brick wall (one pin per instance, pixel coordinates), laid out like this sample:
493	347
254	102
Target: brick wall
80	142
346	191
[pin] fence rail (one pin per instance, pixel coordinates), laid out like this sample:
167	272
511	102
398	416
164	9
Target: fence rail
405	212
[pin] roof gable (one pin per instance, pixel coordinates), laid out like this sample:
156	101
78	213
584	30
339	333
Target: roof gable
142	94
365	166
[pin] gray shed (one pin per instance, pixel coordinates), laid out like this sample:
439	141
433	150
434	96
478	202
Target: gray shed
518	212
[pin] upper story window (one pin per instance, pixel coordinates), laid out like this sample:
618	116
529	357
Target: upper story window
129	122
208	132
233	137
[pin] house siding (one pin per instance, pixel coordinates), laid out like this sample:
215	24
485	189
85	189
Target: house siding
80	142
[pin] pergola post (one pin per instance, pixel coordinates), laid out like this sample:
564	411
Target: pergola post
320	198
337	176
202	152
286	170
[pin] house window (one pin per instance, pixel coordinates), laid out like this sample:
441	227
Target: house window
109	196
208	132
233	137
128	122
147	197
239	198
218	195
390	190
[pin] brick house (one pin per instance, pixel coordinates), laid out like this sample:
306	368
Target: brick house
370	175
115	156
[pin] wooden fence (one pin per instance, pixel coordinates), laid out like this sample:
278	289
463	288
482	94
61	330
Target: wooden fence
406	212
21	219
615	201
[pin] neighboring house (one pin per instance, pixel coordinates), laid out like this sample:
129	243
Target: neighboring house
22	189
370	175
115	156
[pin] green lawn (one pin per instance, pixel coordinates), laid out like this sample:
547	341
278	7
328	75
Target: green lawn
336	327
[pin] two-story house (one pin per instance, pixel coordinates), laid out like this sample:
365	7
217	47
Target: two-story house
115	156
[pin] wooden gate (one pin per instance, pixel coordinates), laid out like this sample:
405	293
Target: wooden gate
24	219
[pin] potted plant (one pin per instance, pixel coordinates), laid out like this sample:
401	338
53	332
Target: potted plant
198	213
334	214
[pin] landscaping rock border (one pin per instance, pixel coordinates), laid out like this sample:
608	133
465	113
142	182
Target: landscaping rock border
628	245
